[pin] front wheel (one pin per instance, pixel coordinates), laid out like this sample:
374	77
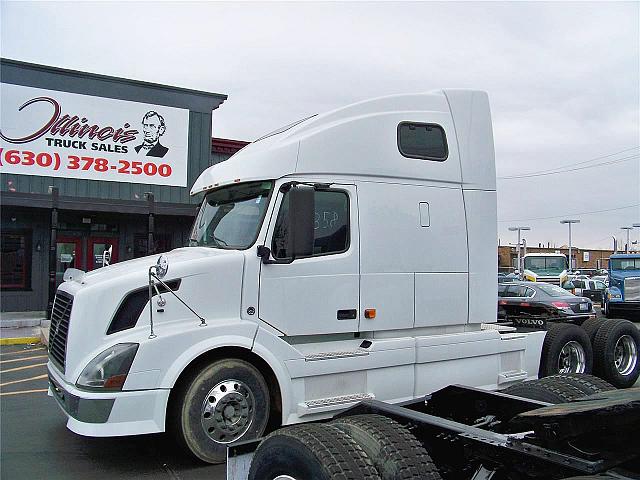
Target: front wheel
223	402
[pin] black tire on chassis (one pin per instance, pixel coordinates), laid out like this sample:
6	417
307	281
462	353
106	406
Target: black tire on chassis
587	384
393	449
311	452
223	402
561	342
552	389
591	327
615	349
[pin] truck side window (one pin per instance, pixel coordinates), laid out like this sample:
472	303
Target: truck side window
425	141
331	226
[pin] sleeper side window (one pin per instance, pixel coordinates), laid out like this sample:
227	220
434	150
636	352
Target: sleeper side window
425	141
331	225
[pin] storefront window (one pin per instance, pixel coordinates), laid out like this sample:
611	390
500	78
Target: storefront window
15	261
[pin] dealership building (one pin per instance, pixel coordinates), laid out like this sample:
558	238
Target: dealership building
98	164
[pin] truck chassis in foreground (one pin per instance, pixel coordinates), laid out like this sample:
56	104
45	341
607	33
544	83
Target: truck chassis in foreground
466	433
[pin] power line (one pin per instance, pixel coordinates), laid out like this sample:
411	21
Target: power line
542	174
572	164
570	214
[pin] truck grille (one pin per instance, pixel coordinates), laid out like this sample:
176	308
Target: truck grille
632	289
552	280
59	328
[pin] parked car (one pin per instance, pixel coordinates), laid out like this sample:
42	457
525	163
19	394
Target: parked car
593	289
507	277
534	303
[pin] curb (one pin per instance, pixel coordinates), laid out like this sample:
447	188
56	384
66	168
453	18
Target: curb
19	340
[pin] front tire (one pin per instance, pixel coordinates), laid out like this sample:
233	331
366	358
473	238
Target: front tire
223	402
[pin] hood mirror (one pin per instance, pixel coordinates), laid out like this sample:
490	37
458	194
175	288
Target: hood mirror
162	266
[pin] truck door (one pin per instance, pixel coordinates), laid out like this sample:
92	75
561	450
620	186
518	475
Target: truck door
317	294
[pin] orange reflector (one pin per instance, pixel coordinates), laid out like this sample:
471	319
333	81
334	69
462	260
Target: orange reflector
117	381
370	313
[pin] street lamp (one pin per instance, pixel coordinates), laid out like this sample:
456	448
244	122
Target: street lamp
626	248
519	229
569	222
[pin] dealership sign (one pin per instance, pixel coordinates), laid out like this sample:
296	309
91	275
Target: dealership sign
58	134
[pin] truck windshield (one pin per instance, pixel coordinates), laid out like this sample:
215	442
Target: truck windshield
625	264
230	217
545	265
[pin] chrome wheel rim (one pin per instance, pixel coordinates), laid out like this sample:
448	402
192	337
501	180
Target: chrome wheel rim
228	411
572	358
284	477
625	355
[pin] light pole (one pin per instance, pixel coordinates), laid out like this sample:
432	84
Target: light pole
519	229
569	222
628	229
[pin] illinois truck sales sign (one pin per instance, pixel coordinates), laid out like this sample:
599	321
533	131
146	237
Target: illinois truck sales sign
59	134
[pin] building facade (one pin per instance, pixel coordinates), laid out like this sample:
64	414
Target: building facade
97	164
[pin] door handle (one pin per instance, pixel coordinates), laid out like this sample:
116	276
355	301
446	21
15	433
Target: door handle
347	314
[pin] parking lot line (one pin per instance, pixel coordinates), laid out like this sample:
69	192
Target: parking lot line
2	394
22	359
23	368
38	377
18	352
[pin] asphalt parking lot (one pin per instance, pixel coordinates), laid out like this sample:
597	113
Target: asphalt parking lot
36	444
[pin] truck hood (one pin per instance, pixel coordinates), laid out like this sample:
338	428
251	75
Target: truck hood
621	275
210	283
176	258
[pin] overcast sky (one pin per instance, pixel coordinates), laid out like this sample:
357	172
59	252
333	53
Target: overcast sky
563	79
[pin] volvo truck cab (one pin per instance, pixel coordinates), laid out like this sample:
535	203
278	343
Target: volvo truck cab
348	256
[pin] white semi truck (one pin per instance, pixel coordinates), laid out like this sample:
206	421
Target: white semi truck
546	267
349	256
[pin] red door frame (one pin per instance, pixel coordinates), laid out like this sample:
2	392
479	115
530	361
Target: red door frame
79	254
113	241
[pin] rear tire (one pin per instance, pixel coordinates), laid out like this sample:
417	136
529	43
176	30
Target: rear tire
393	449
587	384
550	389
223	402
311	452
591	327
566	349
616	347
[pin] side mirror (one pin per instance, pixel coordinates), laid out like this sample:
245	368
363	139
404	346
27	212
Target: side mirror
301	220
300	225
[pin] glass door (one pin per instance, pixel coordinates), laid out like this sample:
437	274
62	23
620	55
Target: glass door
102	251
68	255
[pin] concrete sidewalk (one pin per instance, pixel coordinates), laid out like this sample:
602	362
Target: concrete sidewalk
18	328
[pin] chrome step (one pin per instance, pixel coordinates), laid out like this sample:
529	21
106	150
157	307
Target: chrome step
313	357
324	404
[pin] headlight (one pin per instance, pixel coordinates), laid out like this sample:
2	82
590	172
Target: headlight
109	370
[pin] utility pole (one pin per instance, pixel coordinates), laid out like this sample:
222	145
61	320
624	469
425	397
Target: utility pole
628	229
569	222
519	229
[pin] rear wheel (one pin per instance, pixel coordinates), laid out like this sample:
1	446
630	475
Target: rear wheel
566	349
553	389
616	347
393	449
221	403
591	327
311	452
587	384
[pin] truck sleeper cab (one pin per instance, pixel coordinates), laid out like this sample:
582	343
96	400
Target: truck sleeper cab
349	256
